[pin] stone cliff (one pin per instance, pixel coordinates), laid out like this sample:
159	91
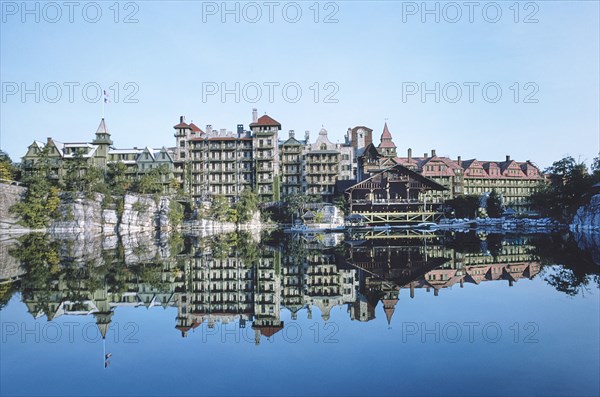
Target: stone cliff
9	196
587	217
94	214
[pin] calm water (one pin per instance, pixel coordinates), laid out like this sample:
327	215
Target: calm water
241	314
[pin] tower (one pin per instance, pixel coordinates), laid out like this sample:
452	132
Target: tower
103	142
387	147
265	139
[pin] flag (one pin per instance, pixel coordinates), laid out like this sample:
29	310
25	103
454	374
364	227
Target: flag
106	96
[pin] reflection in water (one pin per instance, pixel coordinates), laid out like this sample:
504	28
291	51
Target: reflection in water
245	279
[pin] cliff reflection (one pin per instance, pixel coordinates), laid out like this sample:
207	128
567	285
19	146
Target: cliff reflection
249	279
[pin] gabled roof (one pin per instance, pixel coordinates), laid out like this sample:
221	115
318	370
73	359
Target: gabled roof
371	150
195	128
154	152
266	121
181	125
432	184
467	163
292	142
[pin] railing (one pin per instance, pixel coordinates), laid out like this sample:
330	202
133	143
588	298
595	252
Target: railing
394	201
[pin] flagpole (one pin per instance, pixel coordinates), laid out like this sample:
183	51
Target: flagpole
103	343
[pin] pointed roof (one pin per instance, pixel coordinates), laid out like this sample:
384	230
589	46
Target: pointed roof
389	306
102	129
386	138
386	132
195	128
266	121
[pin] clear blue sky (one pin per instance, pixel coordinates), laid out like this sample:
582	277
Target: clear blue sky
369	55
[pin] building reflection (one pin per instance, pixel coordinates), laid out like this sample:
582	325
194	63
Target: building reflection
233	278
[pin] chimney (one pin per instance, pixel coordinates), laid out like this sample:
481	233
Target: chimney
181	119
425	155
409	155
459	160
507	157
254	115
432	152
291	134
307	136
222	132
48	140
240	130
208	128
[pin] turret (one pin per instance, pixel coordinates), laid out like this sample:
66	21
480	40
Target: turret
103	142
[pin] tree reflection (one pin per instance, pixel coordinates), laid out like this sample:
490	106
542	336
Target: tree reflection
566	267
244	277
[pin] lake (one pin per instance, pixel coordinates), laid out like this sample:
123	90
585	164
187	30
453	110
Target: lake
407	313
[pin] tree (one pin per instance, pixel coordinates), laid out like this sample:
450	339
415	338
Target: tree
562	167
596	169
296	204
7	169
149	183
39	203
464	206
116	178
174	186
569	190
43	168
319	217
81	176
494	204
176	213
219	208
246	206
342	203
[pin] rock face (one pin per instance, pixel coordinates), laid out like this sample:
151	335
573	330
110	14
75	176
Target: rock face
79	214
587	217
585	227
9	196
93	214
205	227
143	213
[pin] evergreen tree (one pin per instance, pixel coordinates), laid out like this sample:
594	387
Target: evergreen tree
494	205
